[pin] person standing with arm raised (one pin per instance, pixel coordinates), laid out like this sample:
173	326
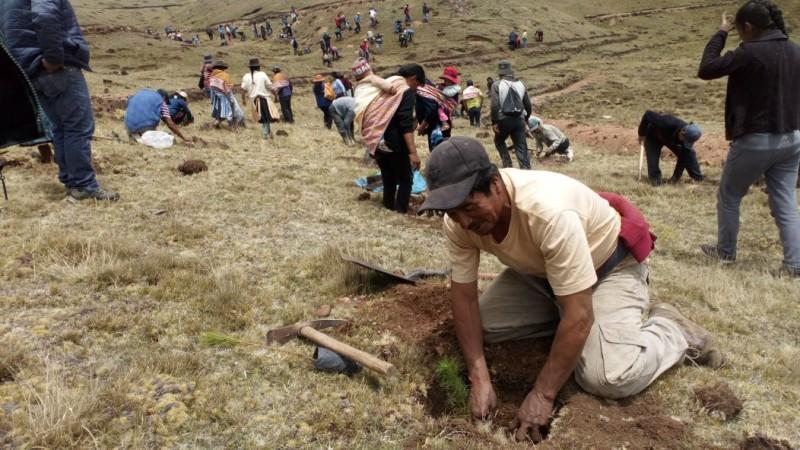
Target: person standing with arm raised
762	121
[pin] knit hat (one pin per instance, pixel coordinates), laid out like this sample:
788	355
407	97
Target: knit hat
361	68
470	83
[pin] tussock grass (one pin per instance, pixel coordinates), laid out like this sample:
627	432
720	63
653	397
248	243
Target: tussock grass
56	415
118	295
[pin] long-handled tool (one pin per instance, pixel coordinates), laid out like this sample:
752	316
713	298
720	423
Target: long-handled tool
309	331
641	161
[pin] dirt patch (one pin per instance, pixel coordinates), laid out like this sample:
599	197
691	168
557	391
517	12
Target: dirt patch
720	401
421	315
761	442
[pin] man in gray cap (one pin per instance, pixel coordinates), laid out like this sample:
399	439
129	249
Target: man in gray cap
511	108
576	270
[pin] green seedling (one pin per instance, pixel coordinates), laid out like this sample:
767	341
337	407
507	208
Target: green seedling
448	375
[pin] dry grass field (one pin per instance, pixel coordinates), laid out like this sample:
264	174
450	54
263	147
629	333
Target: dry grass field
142	324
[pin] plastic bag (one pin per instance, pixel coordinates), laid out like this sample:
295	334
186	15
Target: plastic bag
157	139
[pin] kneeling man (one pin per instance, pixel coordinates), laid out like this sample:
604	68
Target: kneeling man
576	270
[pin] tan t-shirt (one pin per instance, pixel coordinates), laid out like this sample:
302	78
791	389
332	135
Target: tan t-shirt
560	230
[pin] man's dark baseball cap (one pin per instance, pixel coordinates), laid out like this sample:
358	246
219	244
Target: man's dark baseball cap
451	172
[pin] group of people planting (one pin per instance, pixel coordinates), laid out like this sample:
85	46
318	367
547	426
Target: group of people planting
576	259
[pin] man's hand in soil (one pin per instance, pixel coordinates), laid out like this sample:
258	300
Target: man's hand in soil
482	399
50	67
727	22
533	414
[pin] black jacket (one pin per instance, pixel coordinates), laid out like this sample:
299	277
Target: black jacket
662	128
763	83
402	122
25	125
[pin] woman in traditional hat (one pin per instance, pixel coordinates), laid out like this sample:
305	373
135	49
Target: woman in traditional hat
257	87
224	106
324	99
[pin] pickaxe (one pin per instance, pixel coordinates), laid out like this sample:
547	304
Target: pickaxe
309	331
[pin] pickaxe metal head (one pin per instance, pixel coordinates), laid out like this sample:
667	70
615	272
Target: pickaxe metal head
286	334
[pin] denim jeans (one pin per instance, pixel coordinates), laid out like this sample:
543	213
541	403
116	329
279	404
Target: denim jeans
65	99
514	127
344	124
777	157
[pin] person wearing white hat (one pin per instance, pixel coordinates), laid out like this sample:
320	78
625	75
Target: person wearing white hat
179	108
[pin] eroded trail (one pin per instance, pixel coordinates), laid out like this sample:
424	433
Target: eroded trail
651	11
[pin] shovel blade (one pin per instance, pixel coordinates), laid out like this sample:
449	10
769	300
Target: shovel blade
285	334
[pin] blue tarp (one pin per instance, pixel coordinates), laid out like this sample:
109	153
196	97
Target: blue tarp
419	186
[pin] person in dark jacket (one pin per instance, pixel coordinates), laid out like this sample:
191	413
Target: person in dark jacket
663	130
397	164
322	103
427	109
46	41
762	119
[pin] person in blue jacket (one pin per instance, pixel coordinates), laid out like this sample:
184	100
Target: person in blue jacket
45	40
179	108
145	110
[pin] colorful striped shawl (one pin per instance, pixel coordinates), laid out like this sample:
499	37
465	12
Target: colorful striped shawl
375	109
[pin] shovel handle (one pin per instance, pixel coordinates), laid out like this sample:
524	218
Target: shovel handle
359	356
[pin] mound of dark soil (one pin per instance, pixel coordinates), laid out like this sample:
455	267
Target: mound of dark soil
192	166
421	315
719	400
761	442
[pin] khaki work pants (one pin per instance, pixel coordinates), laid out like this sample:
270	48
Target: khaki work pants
623	353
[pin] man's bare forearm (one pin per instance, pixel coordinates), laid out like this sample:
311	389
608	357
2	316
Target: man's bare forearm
467	319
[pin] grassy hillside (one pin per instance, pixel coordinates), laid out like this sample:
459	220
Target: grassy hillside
105	310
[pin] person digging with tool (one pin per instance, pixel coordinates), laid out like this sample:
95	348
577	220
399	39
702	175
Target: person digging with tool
659	130
576	270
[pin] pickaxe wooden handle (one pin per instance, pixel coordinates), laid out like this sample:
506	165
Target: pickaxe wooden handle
361	357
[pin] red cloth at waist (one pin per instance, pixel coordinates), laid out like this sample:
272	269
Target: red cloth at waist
634	232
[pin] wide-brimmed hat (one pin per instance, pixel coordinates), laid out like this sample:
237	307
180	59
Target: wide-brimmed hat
219	65
254	63
451	172
504	68
361	68
318	78
207	58
450	73
182	94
